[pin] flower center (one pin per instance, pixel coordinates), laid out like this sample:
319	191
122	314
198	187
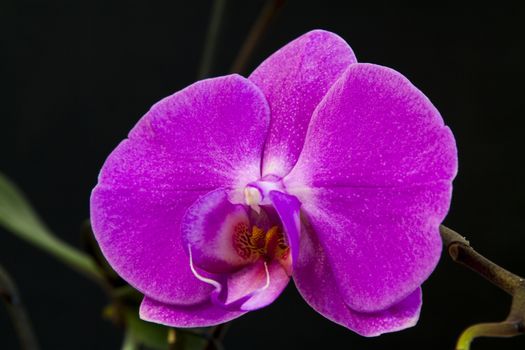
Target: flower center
255	243
257	193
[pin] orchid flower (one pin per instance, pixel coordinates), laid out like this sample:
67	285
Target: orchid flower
318	168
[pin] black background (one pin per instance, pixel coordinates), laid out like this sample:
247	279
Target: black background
76	76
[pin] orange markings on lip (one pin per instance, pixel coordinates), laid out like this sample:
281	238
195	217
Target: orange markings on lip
251	245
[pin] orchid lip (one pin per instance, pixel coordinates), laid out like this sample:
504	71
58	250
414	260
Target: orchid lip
243	255
217	295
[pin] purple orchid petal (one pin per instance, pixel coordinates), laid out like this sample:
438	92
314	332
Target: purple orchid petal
317	284
196	315
374	128
255	286
250	288
122	217
375	178
288	209
206	136
208	227
382	243
294	79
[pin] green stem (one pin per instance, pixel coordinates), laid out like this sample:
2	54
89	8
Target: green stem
18	217
501	329
65	253
9	294
129	342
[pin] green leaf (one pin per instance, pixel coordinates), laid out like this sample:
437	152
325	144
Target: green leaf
18	217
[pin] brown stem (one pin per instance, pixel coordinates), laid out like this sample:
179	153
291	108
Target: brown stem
268	13
9	294
210	45
217	336
461	252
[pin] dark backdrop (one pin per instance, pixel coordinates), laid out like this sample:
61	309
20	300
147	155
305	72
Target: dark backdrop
76	76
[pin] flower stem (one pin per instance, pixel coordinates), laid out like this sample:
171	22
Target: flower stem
129	342
210	44
217	336
268	13
461	252
68	255
172	339
18	217
9	294
502	329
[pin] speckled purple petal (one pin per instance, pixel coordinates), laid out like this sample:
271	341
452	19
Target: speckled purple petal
382	243
316	283
374	128
206	136
199	315
294	79
375	179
